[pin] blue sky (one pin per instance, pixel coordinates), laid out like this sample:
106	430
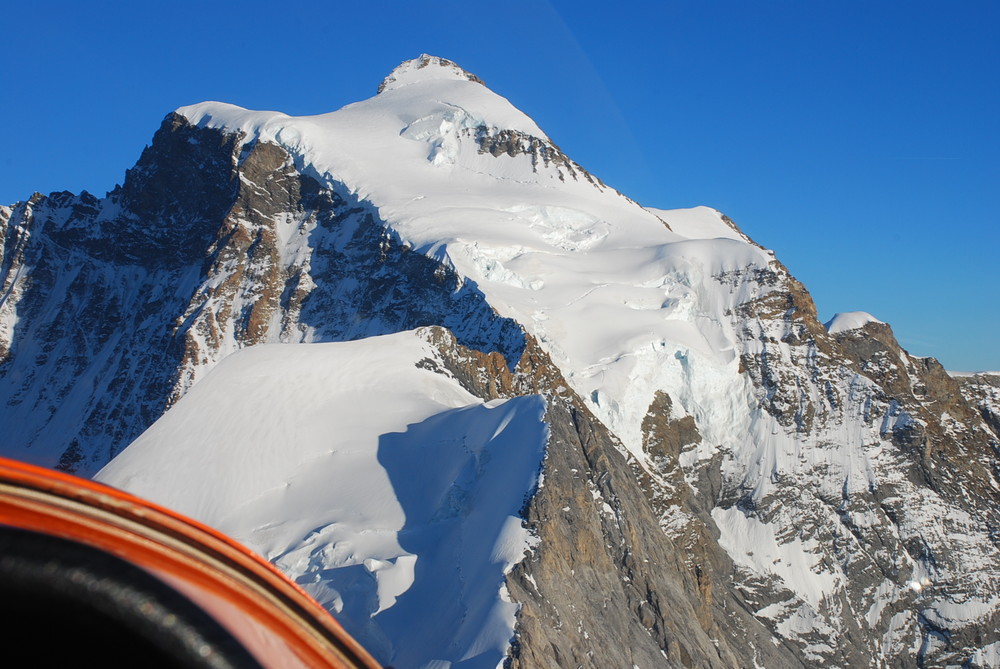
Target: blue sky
860	140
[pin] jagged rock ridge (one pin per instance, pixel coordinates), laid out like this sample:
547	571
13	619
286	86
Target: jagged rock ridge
803	496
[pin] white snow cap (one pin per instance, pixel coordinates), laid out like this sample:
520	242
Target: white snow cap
425	68
849	320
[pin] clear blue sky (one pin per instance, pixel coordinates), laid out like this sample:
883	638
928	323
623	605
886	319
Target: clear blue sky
859	139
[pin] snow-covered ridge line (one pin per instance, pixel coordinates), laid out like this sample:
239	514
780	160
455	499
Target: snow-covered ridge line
850	320
383	488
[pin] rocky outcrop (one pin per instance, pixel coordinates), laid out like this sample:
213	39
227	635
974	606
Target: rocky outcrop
543	154
982	391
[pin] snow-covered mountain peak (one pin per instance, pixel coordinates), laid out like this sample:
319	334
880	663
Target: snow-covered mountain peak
425	68
464	177
849	320
437	123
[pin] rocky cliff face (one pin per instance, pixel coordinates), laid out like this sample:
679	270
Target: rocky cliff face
91	293
605	586
803	497
982	391
880	473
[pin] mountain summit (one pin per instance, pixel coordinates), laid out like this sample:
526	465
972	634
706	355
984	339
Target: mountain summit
423	68
484	383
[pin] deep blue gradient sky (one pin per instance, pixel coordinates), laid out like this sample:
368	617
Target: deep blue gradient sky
858	139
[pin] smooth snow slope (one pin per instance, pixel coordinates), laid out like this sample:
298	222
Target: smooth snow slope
385	489
609	288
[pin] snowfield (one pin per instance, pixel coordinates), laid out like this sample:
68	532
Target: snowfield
384	489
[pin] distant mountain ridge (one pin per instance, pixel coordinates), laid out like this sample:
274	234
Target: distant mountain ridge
726	482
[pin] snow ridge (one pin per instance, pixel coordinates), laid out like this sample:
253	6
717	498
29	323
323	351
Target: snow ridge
849	320
380	486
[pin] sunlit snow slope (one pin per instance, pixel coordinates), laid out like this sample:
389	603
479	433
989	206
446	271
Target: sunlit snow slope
383	488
